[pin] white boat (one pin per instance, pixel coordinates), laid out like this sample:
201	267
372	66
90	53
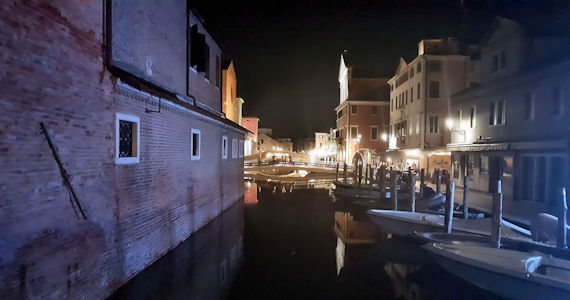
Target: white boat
405	223
508	273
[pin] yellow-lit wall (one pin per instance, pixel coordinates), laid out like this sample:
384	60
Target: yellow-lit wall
230	104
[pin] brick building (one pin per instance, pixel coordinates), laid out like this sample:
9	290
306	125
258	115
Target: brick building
139	131
363	115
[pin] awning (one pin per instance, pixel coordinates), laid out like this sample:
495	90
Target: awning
535	145
477	147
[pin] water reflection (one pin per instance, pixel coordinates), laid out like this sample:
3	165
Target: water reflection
302	242
202	267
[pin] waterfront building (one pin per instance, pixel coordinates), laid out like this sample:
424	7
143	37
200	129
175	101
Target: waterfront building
419	102
362	116
285	144
114	145
514	126
250	144
231	104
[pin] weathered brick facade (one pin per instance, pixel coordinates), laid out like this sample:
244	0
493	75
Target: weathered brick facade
53	70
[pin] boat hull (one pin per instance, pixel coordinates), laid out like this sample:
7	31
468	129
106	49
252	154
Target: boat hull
501	284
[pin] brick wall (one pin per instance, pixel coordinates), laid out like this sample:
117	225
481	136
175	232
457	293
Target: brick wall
52	71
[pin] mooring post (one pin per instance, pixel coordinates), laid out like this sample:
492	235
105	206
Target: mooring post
366	174
465	197
359	175
382	183
448	218
394	189
337	171
497	216
438	182
422	182
413	191
344	173
370	177
561	239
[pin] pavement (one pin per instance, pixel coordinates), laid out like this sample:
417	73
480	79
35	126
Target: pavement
483	202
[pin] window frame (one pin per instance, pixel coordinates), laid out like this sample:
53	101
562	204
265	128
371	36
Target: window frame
438	89
131	159
430	118
473	117
353	126
375	107
192	133
240	149
372	137
225	147
234	148
352	111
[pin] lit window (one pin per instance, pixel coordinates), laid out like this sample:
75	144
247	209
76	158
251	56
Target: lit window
127	135
224	147
234	148
195	144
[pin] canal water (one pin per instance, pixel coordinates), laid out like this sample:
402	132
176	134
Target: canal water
296	241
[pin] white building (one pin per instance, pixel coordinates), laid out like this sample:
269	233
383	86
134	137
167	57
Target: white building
515	125
419	102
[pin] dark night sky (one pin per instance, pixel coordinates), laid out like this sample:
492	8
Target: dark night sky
287	53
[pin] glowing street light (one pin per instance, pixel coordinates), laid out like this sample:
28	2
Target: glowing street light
384	136
449	123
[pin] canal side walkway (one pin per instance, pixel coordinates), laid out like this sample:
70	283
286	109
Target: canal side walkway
483	202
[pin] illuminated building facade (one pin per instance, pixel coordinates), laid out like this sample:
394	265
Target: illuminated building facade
362	116
250	143
514	126
419	102
231	104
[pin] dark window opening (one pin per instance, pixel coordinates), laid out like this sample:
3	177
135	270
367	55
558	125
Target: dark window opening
126	138
199	51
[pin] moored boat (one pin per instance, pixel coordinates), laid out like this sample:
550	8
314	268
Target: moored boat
509	273
405	223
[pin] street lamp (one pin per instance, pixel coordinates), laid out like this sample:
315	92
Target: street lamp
449	123
384	137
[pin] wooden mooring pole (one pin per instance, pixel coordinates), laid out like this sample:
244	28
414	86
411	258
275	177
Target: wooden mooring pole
422	182
561	241
448	218
497	216
413	191
337	171
359	175
344	173
438	182
465	197
366	174
394	188
382	182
